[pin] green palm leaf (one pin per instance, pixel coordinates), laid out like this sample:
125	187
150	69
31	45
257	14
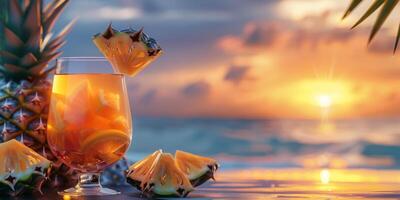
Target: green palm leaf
386	8
374	6
351	7
397	40
385	12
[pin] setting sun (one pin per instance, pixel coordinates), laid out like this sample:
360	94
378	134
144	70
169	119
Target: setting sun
324	101
325	176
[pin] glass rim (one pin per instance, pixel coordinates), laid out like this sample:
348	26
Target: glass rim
88	74
83	59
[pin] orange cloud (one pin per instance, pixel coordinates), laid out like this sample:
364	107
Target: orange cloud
311	59
291	62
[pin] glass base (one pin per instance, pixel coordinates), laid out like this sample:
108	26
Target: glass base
88	185
98	191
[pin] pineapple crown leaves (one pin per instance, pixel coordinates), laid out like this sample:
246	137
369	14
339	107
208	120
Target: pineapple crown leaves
386	8
29	46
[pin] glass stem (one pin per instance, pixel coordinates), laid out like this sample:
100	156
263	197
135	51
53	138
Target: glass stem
89	180
88	185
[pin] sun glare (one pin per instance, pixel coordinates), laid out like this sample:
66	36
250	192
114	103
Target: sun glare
324	101
325	176
315	96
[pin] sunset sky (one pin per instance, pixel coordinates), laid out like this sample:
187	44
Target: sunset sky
250	59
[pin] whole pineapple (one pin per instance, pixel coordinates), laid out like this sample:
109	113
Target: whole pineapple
26	50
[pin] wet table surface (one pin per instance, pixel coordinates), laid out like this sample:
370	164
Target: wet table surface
280	184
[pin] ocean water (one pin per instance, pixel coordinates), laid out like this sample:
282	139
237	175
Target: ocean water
242	144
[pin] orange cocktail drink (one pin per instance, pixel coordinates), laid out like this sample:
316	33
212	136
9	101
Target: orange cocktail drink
89	125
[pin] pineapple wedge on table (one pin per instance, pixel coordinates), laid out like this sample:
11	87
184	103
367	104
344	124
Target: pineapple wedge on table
27	48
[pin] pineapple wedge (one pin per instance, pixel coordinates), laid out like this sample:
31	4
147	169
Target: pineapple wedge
129	51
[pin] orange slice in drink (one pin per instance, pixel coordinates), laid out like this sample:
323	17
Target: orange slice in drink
108	144
109	137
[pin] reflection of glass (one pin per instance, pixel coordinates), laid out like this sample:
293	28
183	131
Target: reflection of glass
89	126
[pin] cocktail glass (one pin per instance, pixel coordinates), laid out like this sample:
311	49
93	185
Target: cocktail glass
89	125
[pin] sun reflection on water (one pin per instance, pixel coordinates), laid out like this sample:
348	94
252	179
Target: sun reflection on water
316	183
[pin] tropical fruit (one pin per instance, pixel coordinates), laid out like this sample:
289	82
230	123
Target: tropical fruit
89	127
129	51
138	171
197	168
28	47
25	88
160	174
106	145
21	169
157	175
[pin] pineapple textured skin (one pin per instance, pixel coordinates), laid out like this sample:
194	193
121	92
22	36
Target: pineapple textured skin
27	47
23	112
